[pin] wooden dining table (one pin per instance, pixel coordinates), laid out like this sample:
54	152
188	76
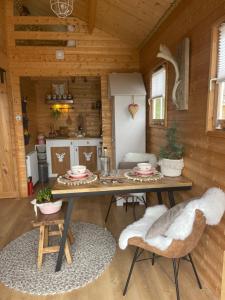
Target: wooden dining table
106	187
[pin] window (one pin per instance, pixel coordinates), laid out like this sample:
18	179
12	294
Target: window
158	96
216	107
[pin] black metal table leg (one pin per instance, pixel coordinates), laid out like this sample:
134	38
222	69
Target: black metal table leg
64	236
159	196
113	199
171	198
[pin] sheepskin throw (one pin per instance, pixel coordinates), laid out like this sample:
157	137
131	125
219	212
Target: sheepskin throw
160	226
212	204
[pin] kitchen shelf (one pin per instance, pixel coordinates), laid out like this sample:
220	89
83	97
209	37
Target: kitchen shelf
63	101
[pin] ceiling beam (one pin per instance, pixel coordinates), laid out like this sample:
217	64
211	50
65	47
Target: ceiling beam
92	6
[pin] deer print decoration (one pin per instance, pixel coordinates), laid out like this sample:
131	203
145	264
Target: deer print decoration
88	156
60	156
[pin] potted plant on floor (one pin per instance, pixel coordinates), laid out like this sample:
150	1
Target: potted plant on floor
44	201
171	156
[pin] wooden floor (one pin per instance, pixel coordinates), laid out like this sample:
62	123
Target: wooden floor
147	283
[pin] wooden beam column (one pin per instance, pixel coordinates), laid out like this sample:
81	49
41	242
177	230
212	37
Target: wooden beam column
92	6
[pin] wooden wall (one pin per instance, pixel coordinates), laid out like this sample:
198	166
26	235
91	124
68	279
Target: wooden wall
96	54
3	57
28	90
204	154
8	172
86	91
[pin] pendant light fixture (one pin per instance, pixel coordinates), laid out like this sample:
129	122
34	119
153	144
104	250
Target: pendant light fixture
62	8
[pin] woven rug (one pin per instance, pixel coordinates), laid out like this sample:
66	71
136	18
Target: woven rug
93	250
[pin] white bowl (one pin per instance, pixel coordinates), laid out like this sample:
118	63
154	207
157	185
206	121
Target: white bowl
79	169
144	166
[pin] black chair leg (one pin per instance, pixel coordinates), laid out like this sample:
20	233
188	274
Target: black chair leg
153	259
176	271
133	204
126	202
110	205
195	271
136	254
144	201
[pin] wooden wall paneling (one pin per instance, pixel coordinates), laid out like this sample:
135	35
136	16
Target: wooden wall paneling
86	91
204	155
8	187
28	90
92	7
19	137
95	55
140	16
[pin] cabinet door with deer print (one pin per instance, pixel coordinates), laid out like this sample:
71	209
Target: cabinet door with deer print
88	157
60	158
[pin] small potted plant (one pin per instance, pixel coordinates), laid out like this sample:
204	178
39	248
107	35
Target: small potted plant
171	156
45	203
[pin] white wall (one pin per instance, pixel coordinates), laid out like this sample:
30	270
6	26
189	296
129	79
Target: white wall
129	134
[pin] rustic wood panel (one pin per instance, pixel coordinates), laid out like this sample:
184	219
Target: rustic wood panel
86	91
88	157
28	90
141	15
97	54
204	155
8	187
60	158
8	172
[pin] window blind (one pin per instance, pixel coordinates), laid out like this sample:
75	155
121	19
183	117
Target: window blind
221	54
158	83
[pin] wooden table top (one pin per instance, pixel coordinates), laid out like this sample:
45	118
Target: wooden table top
127	185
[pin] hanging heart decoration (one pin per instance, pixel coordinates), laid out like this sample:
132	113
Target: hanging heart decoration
133	109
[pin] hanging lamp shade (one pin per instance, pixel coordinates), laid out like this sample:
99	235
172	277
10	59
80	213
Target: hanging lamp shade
62	8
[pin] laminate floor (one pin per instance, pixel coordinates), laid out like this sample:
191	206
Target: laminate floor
147	283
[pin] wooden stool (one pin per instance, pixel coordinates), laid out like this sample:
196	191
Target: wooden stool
45	222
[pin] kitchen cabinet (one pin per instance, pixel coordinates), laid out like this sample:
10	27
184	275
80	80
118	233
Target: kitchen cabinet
64	153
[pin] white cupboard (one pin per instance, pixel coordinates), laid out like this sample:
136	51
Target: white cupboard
64	153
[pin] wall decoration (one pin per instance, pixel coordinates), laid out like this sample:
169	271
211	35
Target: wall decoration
183	54
181	67
88	155
133	108
165	53
59	89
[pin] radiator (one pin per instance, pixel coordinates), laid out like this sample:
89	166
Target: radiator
32	166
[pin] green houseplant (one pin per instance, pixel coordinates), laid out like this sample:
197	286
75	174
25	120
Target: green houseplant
171	156
44	201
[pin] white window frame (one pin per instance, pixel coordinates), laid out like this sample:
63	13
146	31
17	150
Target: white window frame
162	96
215	120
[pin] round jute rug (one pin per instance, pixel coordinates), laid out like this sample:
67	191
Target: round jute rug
92	251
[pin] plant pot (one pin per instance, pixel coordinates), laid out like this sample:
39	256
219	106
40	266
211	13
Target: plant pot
171	167
50	207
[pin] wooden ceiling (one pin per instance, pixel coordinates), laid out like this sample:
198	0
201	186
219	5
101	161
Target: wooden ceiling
129	20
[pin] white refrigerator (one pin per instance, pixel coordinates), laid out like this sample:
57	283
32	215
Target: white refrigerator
129	134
